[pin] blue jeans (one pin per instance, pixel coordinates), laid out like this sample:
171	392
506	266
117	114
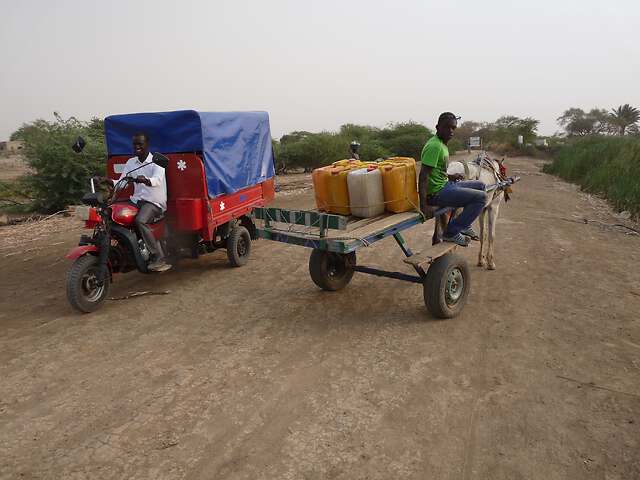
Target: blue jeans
469	194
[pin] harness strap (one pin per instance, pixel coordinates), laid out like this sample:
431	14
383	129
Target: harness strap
467	173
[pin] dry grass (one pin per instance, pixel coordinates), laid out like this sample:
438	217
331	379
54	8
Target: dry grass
35	233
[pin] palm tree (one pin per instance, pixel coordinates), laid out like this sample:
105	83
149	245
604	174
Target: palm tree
624	117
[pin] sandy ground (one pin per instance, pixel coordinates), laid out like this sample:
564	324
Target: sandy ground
254	373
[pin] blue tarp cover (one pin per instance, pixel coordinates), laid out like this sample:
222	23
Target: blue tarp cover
236	146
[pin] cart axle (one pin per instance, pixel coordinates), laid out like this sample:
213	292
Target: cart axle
383	273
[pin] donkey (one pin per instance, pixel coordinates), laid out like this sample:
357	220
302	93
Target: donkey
489	171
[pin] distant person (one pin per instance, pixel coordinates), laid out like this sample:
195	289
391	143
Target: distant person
353	149
149	195
439	189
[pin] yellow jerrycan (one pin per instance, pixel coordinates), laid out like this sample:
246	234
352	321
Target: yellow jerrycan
338	191
320	187
399	182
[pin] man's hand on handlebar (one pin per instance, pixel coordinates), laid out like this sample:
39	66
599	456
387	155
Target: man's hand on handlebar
143	179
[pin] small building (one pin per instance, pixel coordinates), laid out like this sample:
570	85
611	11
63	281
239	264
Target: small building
11	147
541	142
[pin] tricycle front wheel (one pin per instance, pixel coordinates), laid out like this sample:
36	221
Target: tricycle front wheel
446	286
84	292
331	271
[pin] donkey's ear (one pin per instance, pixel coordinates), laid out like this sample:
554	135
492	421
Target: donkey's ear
501	161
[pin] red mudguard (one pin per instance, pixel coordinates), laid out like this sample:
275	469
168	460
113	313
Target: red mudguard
77	252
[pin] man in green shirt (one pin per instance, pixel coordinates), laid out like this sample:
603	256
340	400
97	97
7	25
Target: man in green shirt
437	189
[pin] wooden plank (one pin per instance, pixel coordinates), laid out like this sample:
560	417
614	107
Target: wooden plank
306	240
361	222
380	224
421	259
308	218
350	239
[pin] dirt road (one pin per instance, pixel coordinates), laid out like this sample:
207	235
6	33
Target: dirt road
254	373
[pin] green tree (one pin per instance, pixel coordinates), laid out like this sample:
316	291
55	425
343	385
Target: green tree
577	122
358	132
60	177
371	151
313	150
601	120
507	128
466	130
278	165
404	139
625	117
294	137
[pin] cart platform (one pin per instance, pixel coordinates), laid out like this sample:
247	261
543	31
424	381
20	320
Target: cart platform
335	240
334	233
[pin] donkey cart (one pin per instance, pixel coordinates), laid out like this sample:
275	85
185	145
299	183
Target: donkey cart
335	239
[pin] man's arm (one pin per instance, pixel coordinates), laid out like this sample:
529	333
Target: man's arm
423	187
157	175
429	159
113	183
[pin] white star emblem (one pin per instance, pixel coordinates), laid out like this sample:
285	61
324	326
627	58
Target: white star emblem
221	206
182	165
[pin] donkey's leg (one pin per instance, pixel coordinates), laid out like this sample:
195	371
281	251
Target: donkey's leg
482	220
493	218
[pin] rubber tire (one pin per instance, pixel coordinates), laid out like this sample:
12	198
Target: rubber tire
74	288
319	268
238	234
435	285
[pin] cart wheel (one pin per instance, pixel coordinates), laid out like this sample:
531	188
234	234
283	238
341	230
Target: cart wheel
447	286
331	271
238	246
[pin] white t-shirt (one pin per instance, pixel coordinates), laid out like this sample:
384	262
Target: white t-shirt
157	192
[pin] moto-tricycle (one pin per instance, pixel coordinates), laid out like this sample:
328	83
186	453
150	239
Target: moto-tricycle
218	167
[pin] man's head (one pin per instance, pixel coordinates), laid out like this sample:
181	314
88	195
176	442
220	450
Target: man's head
447	124
141	146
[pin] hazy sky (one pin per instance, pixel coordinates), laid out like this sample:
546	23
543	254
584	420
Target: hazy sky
314	65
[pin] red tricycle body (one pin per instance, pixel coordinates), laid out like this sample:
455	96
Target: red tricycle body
189	207
218	167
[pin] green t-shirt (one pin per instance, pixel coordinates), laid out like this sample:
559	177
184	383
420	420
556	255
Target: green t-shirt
436	154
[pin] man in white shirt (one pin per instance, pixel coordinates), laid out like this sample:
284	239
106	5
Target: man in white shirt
149	195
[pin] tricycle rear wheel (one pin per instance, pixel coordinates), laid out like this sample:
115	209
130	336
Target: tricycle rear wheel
238	246
331	271
83	291
446	286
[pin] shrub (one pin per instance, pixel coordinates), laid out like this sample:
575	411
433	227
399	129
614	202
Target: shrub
60	177
604	165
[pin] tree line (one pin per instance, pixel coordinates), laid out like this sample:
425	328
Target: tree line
58	177
622	120
307	150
